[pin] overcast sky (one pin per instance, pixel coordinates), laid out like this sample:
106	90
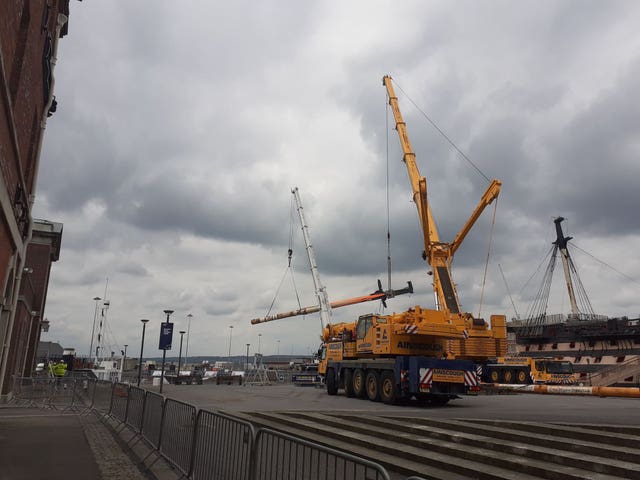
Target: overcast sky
181	128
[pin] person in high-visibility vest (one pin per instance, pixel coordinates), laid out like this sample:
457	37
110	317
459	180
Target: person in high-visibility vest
60	369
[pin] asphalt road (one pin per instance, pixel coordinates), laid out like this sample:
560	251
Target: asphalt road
523	406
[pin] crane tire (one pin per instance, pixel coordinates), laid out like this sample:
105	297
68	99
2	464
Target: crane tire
359	390
522	377
494	375
388	389
348	382
372	383
332	386
508	376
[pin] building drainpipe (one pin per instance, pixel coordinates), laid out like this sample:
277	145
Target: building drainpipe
61	20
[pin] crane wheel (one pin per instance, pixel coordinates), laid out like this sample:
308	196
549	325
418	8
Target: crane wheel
373	385
494	376
348	382
522	377
332	385
388	389
359	383
508	376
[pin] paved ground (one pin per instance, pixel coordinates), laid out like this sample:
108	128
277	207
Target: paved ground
45	444
524	407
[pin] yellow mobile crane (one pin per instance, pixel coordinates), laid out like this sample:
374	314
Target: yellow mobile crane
479	342
423	353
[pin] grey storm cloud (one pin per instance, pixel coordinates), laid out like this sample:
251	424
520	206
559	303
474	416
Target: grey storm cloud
180	132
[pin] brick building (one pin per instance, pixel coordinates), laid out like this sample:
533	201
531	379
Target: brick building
29	33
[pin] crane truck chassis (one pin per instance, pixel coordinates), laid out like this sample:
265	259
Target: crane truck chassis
391	380
527	370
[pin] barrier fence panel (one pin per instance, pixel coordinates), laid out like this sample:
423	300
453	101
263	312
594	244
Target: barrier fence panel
135	409
152	418
87	391
222	448
62	393
32	391
178	423
102	396
279	456
119	400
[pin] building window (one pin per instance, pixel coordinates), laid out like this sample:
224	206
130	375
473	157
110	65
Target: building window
540	346
527	348
577	360
620	359
613	343
554	346
572	345
597	360
592	343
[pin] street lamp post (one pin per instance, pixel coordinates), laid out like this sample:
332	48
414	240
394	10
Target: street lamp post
124	358
93	330
230	334
182	332
186	353
164	353
259	335
144	326
247	369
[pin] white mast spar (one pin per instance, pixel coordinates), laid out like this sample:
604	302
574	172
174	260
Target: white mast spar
321	291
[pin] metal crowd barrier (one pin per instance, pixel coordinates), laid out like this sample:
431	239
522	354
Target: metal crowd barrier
201	444
178	425
135	409
103	391
152	419
119	401
59	393
281	456
223	447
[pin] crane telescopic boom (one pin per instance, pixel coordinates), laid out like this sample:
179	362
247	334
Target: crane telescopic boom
438	254
321	292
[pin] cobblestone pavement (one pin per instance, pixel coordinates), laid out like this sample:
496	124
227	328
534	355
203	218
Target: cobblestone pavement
114	463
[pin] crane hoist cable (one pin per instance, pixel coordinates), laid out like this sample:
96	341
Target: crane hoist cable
486	264
289	267
441	132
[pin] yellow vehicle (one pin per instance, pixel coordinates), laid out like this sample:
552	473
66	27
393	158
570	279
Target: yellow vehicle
527	370
386	358
430	354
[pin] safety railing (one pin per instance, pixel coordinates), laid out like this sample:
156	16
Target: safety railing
178	425
223	447
135	410
200	444
278	455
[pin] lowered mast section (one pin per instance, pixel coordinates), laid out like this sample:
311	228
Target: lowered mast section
321	291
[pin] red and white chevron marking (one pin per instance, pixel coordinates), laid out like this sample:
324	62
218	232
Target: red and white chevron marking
411	329
426	376
470	378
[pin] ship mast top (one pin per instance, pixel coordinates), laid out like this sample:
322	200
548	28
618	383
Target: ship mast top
561	243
